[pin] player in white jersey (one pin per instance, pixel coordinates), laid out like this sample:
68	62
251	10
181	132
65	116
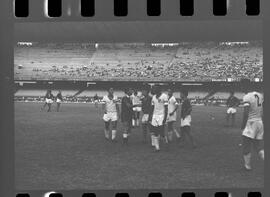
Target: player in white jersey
158	116
171	118
136	100
111	113
252	126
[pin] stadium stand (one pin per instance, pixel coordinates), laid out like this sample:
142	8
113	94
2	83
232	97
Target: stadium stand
208	61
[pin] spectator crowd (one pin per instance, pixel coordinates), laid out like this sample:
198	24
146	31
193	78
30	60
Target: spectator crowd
204	61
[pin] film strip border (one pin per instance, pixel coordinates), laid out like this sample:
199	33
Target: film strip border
39	10
150	194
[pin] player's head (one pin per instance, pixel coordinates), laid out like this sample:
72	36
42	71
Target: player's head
184	94
170	92
110	91
59	91
145	90
231	92
135	92
157	89
128	91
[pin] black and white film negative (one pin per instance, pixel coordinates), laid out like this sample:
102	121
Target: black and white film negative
134	98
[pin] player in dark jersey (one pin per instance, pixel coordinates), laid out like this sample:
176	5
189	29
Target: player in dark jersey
59	99
186	119
48	100
126	114
146	109
96	100
232	103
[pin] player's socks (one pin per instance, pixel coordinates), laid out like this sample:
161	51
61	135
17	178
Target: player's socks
176	133
106	134
166	139
170	136
133	122
261	154
113	134
156	143
125	138
152	140
247	159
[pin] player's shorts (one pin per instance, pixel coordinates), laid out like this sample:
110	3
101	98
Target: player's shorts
145	118
96	101
137	109
49	100
157	120
171	118
58	100
231	110
110	116
186	121
254	130
158	131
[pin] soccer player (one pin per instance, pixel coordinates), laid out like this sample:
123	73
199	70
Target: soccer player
59	99
146	109
158	115
186	118
136	101
126	114
96	100
111	112
252	126
171	118
232	103
48	100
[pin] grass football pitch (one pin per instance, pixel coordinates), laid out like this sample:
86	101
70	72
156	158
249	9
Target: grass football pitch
67	150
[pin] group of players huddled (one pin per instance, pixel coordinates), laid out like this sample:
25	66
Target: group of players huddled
159	113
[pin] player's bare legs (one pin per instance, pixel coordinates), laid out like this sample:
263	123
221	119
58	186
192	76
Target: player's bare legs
137	118
133	119
107	130
152	135
58	107
156	137
114	126
126	133
144	131
170	131
258	146
247	144
162	134
42	108
49	105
